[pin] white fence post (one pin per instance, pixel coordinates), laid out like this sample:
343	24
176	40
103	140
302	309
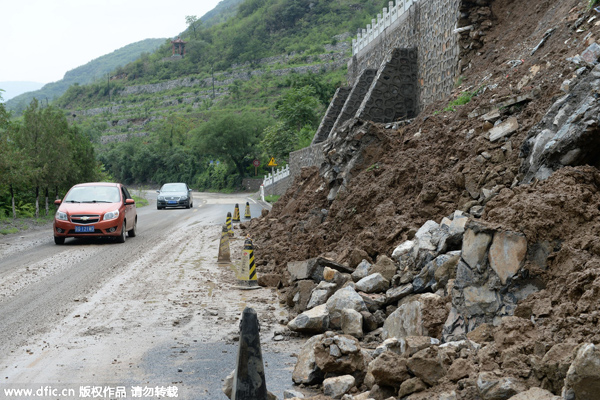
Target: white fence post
271	179
379	25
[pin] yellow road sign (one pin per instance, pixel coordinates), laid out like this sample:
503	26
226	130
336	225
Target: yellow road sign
272	162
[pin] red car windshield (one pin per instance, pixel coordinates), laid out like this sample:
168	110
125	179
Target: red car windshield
93	194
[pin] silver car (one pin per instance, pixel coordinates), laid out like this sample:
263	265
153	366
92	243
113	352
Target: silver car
174	195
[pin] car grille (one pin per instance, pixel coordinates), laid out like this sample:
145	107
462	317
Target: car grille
85	219
172	198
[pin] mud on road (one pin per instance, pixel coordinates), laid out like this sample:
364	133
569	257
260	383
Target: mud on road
167	316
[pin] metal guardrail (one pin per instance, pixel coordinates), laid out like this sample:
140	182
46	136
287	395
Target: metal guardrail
377	26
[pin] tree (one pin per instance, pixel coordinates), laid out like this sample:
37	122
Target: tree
13	172
46	142
192	21
278	141
298	107
297	114
231	137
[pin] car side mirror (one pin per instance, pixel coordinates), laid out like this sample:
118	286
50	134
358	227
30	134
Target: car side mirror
158	191
190	190
129	201
57	202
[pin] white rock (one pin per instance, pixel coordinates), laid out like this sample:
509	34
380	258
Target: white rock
373	283
337	386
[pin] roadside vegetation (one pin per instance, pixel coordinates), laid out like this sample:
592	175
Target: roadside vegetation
206	135
272	198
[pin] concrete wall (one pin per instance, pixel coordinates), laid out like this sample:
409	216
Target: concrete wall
280	187
427	26
252	184
307	157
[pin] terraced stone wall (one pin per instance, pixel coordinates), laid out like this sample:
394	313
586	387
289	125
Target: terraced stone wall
428	26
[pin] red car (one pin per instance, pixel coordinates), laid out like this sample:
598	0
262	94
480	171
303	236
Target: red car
95	209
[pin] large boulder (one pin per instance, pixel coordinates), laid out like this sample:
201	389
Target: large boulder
385	266
507	254
425	365
341	300
407	320
493	386
339	354
306	370
313	268
536	393
583	377
338	386
421	315
389	369
362	270
398	293
373	283
565	135
315	320
321	293
352	323
475	246
555	364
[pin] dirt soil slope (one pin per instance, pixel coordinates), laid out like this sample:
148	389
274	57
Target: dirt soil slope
442	160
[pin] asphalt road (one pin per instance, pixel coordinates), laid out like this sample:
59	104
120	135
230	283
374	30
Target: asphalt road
156	311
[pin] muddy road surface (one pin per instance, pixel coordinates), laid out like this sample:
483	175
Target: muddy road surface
154	317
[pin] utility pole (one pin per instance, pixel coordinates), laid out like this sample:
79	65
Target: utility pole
212	72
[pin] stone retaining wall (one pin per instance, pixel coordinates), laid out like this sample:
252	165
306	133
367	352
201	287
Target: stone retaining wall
427	26
307	157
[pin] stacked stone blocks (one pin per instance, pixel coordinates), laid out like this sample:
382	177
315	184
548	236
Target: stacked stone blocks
333	111
393	94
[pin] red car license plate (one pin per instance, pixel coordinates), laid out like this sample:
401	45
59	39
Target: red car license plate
84	229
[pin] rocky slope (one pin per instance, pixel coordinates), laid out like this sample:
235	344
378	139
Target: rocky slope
459	258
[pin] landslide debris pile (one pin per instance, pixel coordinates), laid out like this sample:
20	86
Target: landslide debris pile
457	256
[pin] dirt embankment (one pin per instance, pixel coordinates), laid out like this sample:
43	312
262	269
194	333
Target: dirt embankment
445	161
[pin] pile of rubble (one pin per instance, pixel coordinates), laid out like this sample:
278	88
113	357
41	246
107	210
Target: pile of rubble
425	318
456	256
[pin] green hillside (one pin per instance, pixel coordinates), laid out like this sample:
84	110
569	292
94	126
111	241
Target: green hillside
252	87
223	11
96	69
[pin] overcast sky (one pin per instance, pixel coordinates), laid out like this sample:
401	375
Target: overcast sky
43	39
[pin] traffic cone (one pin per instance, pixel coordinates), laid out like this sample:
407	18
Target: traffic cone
247	213
228	223
224	253
236	213
247	277
249	379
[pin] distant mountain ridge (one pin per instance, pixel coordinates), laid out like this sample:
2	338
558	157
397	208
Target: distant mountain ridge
101	66
13	89
88	73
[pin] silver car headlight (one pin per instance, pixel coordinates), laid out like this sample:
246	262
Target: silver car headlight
62	216
161	197
183	197
111	215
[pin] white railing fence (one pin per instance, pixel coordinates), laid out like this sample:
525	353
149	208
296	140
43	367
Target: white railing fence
377	26
278	175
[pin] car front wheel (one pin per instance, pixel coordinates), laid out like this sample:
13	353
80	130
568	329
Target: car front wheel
59	240
133	231
121	237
